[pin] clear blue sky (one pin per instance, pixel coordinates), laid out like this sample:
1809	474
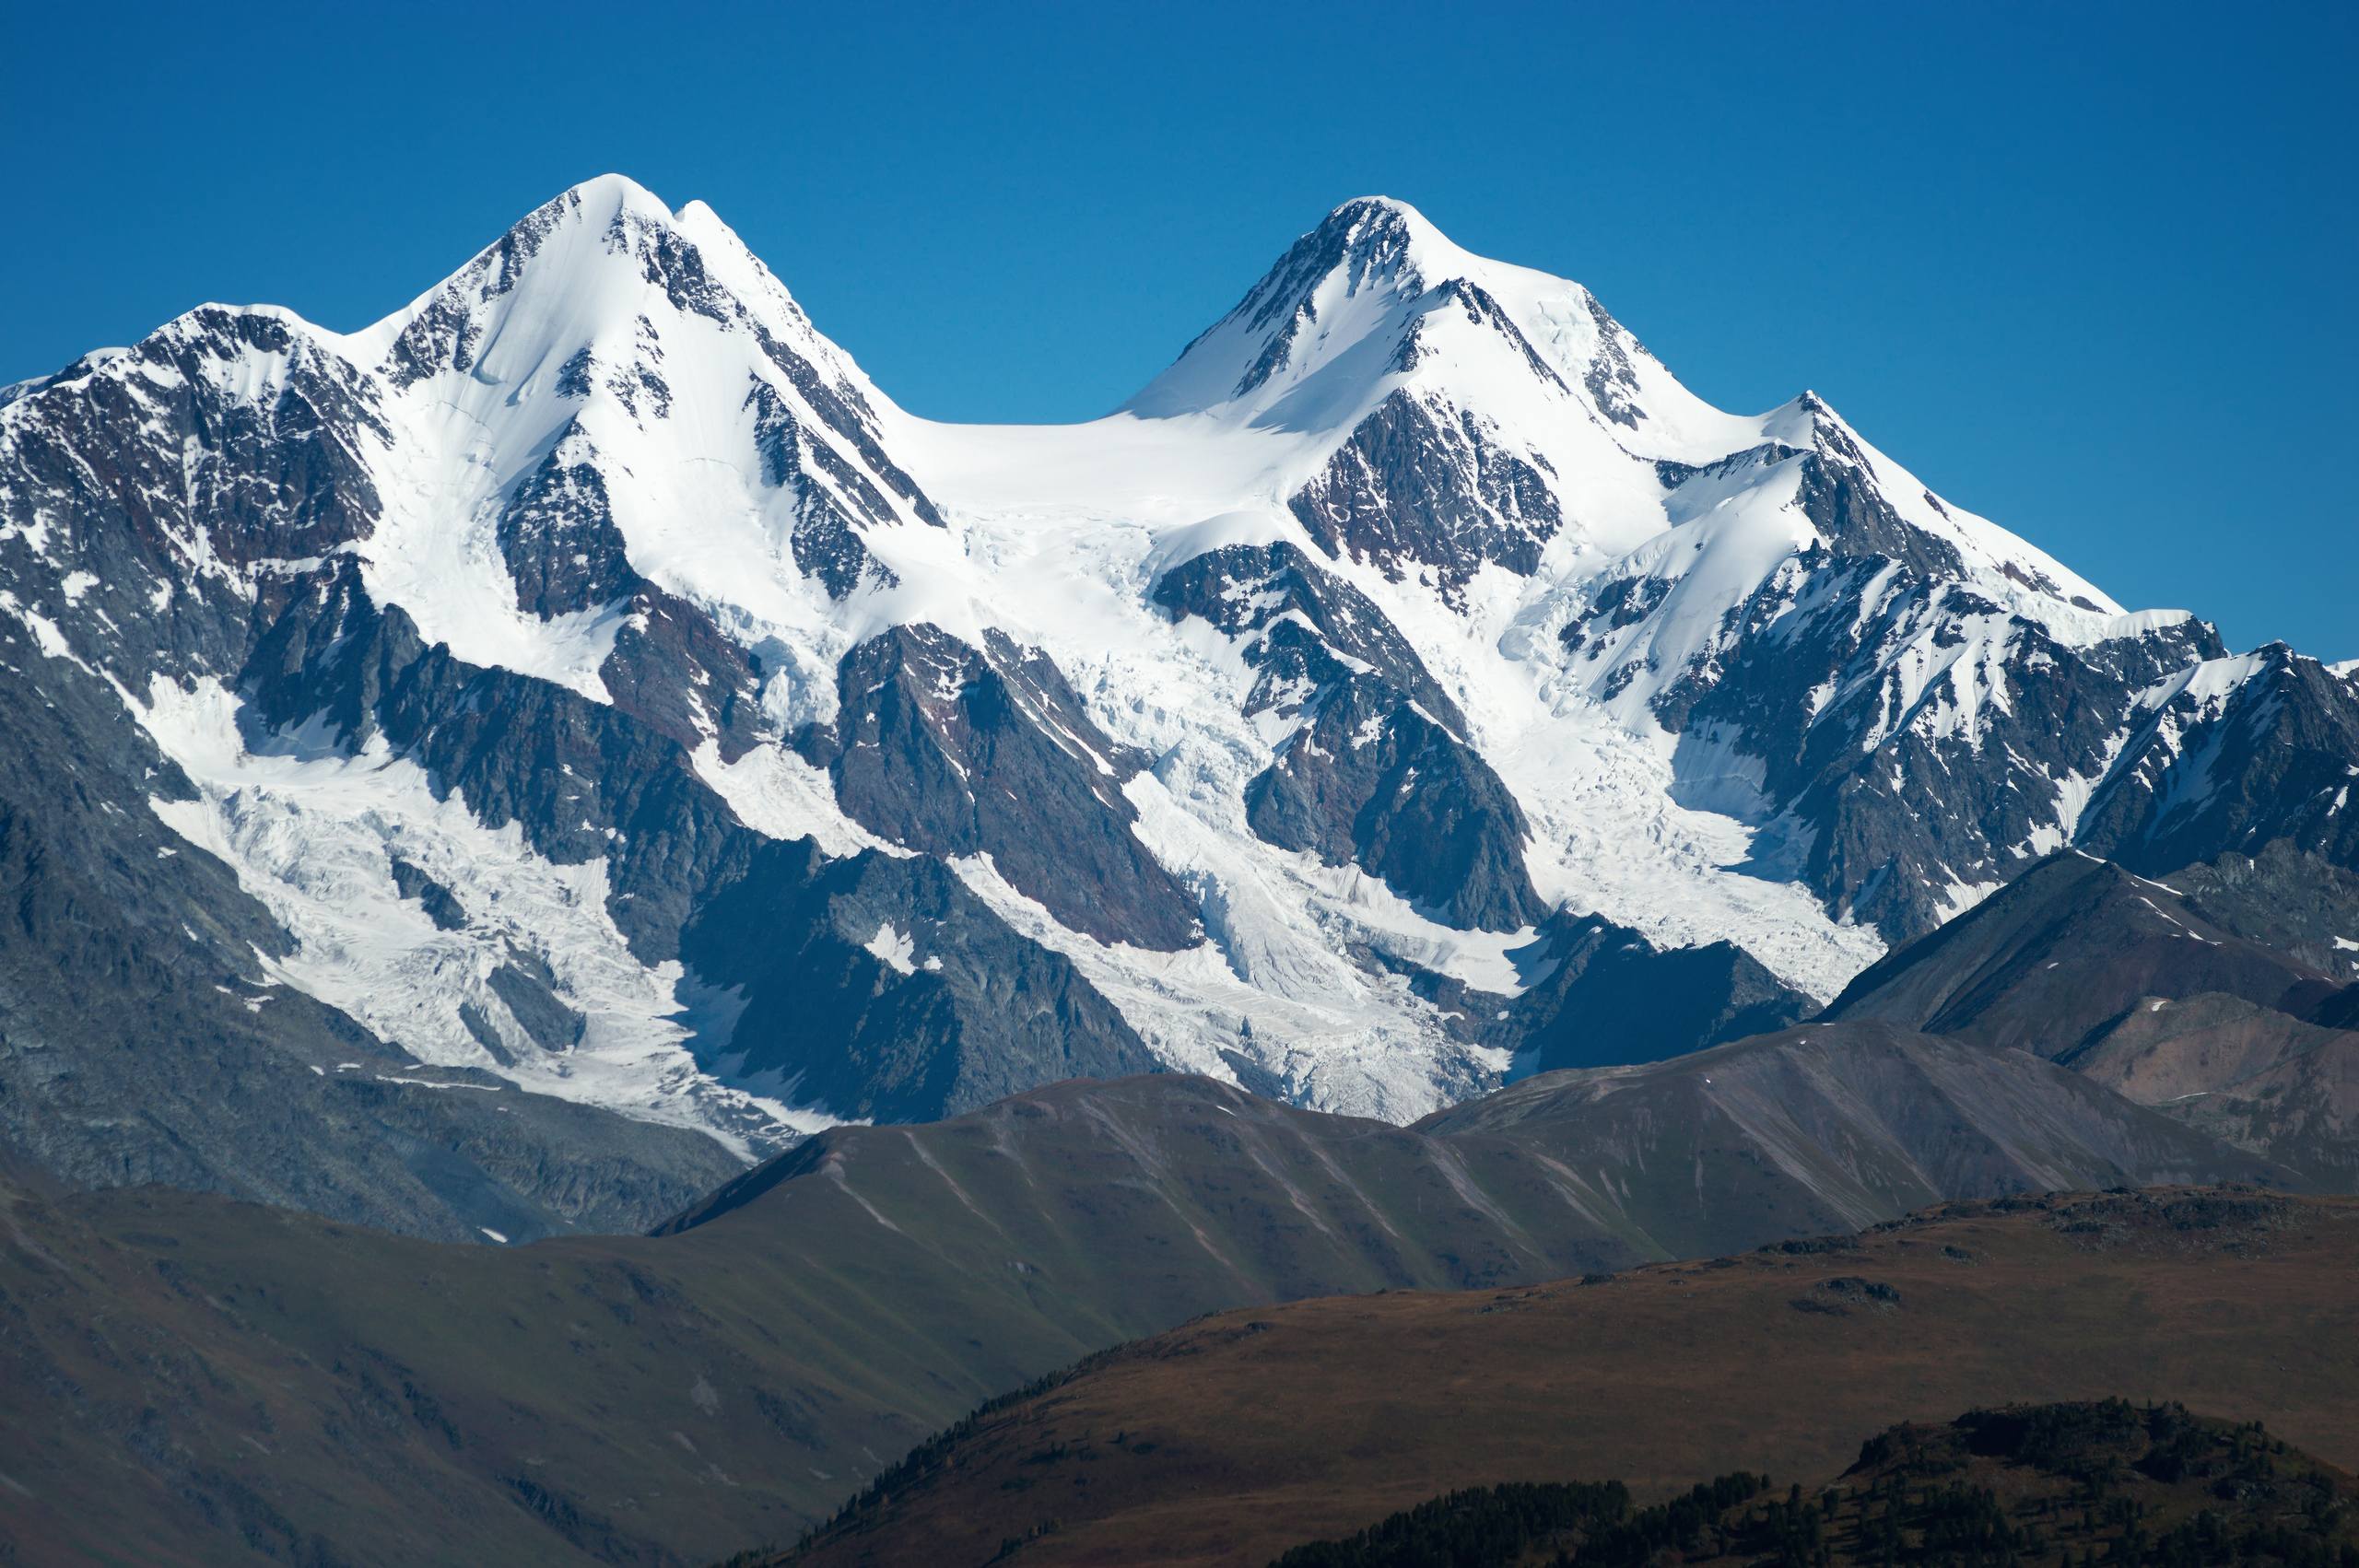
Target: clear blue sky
2088	269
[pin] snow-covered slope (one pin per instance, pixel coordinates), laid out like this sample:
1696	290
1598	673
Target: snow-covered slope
1581	552
606	687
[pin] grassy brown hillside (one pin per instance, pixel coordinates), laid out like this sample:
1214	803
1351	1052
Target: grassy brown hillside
1234	1438
188	1379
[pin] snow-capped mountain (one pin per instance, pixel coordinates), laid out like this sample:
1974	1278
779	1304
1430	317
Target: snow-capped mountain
595	686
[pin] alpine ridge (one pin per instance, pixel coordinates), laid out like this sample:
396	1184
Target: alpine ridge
583	703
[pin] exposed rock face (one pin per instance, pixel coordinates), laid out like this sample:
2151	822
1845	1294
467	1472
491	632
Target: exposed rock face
559	536
579	780
1366	243
826	539
676	672
1302	630
2235	755
154	478
2281	897
146	1034
398	869
1592	993
779	921
1903	738
1378	770
963	751
881	988
1371	778
1909	706
1415	486
1907	741
151	501
1367	316
670	666
1993	772
1609	996
210	571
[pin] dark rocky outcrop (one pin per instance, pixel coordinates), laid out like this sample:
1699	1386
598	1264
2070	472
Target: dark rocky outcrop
775	920
1605	996
957	750
881	988
1304	629
1380	772
1869	787
559	536
1370	779
826	539
2272	759
1417	486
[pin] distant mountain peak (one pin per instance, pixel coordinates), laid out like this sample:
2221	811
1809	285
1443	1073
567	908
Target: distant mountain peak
1386	237
619	192
1344	282
1375	296
599	267
1382	209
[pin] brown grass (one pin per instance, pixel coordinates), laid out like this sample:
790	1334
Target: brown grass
1230	1439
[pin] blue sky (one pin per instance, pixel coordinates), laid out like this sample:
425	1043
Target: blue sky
2088	269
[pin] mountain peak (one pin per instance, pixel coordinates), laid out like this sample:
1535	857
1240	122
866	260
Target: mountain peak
603	260
1376	243
1392	220
1336	285
1393	206
1798	421
612	194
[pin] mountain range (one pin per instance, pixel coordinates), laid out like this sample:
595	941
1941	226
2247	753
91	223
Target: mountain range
508	769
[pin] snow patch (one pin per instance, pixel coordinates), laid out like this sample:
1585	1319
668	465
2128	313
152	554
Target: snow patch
892	948
310	832
778	794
